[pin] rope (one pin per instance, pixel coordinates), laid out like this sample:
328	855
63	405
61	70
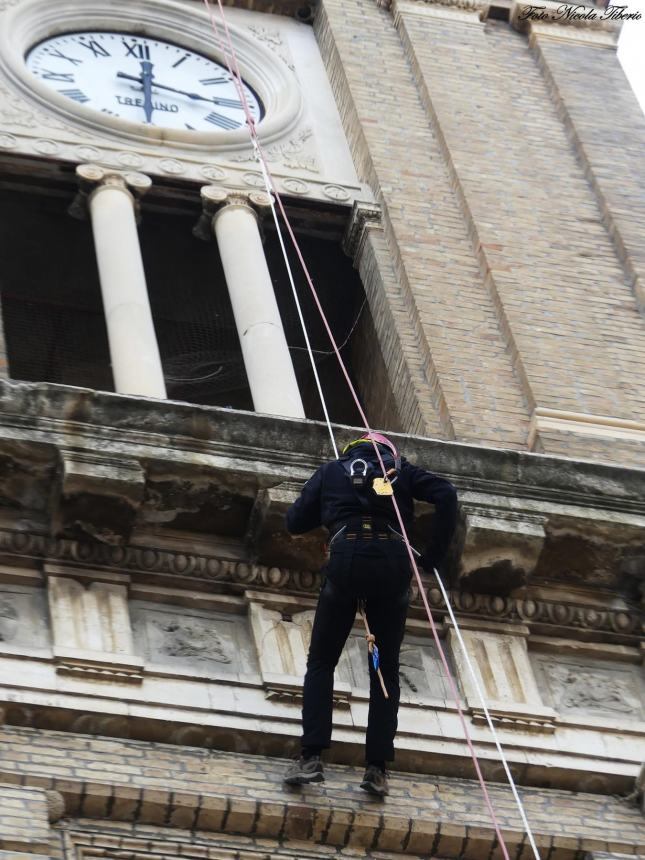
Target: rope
272	191
371	647
482	699
231	62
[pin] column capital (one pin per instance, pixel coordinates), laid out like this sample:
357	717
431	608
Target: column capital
216	199
92	178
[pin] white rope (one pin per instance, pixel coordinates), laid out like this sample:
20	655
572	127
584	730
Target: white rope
482	699
269	190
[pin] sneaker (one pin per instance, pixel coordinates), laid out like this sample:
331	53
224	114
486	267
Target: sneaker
302	771
375	781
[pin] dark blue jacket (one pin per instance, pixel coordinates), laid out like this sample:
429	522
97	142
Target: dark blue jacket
328	498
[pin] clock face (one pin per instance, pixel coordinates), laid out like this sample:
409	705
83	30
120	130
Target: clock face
143	80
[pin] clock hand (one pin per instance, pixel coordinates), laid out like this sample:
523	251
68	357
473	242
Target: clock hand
146	81
194	96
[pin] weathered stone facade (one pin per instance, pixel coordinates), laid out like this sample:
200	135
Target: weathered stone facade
154	614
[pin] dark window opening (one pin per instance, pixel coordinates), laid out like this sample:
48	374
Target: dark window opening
55	329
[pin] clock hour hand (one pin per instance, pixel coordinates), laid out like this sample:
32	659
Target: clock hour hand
146	81
194	96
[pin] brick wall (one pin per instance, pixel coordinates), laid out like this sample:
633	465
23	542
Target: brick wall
607	127
24	823
396	151
209	792
554	272
518	288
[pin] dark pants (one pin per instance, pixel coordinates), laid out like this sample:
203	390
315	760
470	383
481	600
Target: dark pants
378	572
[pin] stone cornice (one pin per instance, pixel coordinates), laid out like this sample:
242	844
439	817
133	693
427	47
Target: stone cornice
551	18
466	11
462	5
557	616
164	430
364	217
563	20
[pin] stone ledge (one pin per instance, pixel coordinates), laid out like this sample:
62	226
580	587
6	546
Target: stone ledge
337	815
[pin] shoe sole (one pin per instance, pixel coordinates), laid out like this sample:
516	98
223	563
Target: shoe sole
304	780
371	788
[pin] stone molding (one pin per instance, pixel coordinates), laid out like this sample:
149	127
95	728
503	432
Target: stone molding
603	426
461	11
554	21
365	217
480	6
536	612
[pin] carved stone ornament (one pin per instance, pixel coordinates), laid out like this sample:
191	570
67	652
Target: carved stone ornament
365	216
273	39
8	620
297	153
578	688
55	806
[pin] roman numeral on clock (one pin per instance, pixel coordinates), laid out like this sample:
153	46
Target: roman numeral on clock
95	48
232	103
77	95
222	121
61	56
137	50
63	77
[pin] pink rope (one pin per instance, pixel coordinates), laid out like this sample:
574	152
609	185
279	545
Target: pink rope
231	61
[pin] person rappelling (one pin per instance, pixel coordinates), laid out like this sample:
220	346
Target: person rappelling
368	565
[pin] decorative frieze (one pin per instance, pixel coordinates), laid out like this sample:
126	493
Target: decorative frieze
191	638
624	623
22	617
574	685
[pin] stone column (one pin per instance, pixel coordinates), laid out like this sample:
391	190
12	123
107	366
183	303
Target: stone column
112	203
233	219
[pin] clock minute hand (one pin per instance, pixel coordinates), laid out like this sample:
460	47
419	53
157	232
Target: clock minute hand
194	96
163	87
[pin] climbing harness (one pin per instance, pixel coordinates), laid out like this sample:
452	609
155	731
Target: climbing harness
372	648
229	54
362	474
